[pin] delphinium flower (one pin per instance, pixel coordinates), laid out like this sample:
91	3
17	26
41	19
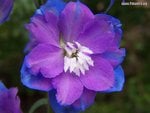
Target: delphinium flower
5	9
74	55
9	101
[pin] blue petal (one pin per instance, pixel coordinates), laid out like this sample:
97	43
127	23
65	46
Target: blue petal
57	108
115	57
86	100
110	5
37	82
119	80
52	5
5	9
2	86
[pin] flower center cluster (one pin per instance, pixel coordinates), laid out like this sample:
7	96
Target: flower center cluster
77	59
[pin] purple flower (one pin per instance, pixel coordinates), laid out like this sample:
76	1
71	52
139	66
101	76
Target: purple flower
5	9
75	53
9	102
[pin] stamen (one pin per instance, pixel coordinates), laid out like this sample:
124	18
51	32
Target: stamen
77	59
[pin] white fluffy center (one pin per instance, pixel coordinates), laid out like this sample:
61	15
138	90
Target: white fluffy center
77	59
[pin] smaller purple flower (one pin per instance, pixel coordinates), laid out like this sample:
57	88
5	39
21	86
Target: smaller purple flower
5	9
9	102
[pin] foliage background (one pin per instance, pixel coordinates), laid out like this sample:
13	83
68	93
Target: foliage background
135	98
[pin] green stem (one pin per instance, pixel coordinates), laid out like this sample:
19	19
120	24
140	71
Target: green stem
37	104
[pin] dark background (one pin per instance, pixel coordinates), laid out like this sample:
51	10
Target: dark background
135	98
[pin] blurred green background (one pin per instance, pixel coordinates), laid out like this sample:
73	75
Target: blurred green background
135	98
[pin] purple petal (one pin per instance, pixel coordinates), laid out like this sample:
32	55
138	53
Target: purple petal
34	81
44	29
45	59
114	56
119	80
57	108
97	35
73	18
116	25
86	99
5	9
9	101
69	88
100	77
